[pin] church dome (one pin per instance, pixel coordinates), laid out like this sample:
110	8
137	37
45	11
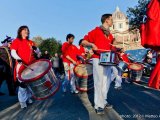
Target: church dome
118	15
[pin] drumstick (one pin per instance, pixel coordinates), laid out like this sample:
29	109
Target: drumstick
28	67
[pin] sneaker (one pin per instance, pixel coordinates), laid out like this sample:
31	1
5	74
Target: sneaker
76	91
30	101
118	88
100	111
23	105
108	106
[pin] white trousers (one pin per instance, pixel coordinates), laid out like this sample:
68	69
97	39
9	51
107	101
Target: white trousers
69	73
116	74
102	80
23	93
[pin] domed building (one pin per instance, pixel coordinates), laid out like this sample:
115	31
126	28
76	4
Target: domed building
120	31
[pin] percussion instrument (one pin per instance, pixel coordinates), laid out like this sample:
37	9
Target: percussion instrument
84	77
41	80
108	58
136	71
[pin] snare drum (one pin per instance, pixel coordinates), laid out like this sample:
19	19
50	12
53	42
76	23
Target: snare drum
84	77
122	66
42	81
136	71
108	58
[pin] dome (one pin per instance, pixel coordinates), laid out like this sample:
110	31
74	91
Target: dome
118	15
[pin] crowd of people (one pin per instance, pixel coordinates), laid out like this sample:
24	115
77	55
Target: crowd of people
24	51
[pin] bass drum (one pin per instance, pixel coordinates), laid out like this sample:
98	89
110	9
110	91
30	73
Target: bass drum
136	71
84	77
40	79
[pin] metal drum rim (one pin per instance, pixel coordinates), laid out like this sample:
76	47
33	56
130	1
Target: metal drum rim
39	76
129	66
80	76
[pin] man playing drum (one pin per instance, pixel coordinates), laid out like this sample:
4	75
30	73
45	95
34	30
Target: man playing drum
69	52
101	38
22	49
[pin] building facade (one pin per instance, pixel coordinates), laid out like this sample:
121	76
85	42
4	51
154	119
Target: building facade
120	30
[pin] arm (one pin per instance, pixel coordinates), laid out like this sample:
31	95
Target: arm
86	43
70	59
15	55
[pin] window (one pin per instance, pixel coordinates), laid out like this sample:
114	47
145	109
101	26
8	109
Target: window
120	25
113	26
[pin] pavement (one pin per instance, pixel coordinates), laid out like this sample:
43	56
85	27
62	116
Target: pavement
133	102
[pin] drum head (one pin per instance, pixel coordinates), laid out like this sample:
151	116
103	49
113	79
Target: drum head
39	69
83	70
135	66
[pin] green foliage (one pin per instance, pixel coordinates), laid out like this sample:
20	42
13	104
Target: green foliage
136	13
38	40
51	45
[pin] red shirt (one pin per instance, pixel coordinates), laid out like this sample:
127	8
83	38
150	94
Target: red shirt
69	50
97	37
81	51
24	49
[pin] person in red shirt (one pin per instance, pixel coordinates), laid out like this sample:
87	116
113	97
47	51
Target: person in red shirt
69	52
123	56
22	50
99	39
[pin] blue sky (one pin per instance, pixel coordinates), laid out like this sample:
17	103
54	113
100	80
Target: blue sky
56	18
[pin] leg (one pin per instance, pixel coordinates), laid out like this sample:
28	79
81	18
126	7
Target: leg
98	83
73	80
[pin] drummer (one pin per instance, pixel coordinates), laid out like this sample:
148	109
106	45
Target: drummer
22	50
101	38
69	52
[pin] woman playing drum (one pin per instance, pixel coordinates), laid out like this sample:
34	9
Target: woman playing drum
23	49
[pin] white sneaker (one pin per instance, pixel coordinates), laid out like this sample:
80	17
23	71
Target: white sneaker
76	91
30	101
23	105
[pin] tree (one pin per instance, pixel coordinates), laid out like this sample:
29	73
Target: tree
137	13
51	45
38	40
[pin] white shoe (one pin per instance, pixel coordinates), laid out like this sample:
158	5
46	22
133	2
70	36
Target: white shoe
23	105
76	91
30	101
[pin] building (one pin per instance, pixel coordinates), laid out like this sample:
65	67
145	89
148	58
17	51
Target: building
120	30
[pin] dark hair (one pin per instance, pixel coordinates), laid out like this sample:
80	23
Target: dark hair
80	41
20	30
69	36
104	17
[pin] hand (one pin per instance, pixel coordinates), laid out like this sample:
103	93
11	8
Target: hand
74	62
34	47
94	47
19	61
